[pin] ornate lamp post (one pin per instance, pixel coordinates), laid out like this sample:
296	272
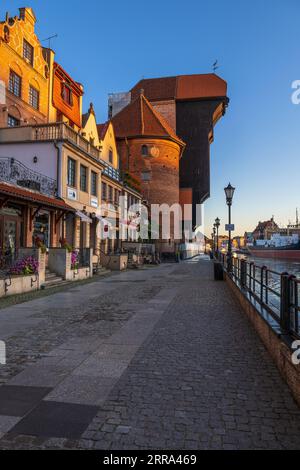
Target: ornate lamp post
217	224
229	191
212	241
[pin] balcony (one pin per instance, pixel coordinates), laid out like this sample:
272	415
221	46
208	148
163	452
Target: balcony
59	131
14	172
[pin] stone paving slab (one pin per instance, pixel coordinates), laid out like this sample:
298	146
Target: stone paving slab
55	419
19	400
41	376
86	390
7	422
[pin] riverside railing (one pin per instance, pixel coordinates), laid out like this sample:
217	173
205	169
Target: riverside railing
278	293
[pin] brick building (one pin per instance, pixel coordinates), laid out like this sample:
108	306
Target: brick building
150	152
264	230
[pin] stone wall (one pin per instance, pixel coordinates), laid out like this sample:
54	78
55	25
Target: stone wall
277	345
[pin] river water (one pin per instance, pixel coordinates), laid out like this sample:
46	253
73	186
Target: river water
278	265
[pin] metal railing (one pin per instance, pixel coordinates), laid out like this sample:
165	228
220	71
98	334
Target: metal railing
15	172
278	293
111	172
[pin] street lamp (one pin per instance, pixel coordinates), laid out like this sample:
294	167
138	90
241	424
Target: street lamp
229	191
212	242
217	224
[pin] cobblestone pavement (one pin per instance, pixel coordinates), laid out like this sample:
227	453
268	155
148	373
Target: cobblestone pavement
161	358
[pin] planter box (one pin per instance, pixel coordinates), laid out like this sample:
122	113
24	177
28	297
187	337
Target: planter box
18	285
116	262
81	273
59	262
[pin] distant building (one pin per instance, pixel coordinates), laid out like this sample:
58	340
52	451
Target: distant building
264	230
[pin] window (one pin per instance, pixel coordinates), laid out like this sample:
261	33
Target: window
71	172
117	195
146	176
12	121
34	97
83	178
66	94
104	191
145	150
110	156
93	183
110	194
28	51
14	85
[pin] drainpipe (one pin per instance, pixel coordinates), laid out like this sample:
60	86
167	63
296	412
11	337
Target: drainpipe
58	168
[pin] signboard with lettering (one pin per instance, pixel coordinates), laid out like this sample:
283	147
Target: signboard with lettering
72	194
94	202
229	227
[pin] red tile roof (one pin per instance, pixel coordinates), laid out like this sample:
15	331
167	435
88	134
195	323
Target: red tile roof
181	87
16	192
139	118
102	129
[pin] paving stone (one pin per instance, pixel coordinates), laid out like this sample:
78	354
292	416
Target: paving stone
55	419
94	367
18	400
82	389
7	422
41	376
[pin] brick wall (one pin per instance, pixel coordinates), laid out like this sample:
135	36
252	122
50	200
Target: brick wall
168	110
162	165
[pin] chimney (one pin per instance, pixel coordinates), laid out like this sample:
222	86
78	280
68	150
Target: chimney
27	14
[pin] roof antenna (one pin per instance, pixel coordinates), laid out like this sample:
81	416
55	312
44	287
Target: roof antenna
49	39
215	65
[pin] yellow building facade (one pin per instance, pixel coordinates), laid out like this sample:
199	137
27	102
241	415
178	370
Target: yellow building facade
24	72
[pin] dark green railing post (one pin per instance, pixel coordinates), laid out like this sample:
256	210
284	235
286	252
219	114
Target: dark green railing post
243	274
285	302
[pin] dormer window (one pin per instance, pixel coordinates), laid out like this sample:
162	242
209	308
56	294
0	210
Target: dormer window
145	151
110	156
28	52
66	94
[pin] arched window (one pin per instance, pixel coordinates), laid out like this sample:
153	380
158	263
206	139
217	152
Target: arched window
145	150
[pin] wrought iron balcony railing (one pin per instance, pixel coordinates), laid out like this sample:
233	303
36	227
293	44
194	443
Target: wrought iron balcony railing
15	172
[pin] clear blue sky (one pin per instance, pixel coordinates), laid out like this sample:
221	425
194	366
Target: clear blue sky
109	45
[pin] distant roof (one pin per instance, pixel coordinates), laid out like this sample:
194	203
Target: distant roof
139	118
102	129
181	87
26	194
265	224
85	119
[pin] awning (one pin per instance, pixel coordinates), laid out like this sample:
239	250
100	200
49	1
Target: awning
103	220
15	192
83	217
